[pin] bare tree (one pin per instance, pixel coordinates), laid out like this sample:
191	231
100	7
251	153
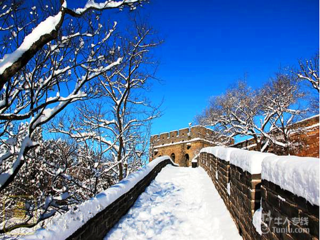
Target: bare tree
309	71
60	51
234	113
58	175
265	114
44	32
115	123
280	102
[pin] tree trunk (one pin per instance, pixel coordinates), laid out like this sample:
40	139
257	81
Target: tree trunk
258	143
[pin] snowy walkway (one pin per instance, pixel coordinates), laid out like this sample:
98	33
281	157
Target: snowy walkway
180	204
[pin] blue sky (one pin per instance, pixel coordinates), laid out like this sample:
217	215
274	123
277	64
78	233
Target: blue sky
209	44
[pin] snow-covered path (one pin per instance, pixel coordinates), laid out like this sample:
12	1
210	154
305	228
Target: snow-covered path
180	204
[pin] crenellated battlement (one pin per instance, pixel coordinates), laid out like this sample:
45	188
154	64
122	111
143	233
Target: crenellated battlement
182	135
181	145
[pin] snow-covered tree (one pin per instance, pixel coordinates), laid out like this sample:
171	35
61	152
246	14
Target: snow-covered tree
234	113
47	62
309	71
264	114
116	122
57	176
280	104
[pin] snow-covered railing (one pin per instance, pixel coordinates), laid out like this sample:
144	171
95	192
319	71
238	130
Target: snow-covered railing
287	187
95	217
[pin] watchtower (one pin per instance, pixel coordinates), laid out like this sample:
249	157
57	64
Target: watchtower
181	145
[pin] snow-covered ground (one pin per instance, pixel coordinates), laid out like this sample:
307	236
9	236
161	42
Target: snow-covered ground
181	203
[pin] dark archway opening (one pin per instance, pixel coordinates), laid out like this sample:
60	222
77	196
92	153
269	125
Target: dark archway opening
186	160
173	157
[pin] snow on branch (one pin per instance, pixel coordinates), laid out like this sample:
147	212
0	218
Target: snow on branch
45	32
45	27
309	71
264	114
5	177
92	5
31	92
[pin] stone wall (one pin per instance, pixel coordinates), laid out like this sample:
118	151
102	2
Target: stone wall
287	208
182	153
248	191
223	173
244	200
244	189
209	164
98	226
180	135
181	145
218	170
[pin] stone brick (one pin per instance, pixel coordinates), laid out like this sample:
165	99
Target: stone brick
286	237
298	233
312	225
264	192
273	200
290	210
313	209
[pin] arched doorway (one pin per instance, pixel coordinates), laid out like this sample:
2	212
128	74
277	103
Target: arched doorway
186	160
173	157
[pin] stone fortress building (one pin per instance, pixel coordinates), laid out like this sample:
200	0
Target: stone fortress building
181	145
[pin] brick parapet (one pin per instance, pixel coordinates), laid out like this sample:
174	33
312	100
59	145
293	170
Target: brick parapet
245	197
288	207
98	226
180	135
247	191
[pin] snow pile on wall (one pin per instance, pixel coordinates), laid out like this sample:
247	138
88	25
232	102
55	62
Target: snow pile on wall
249	161
64	225
220	152
225	153
299	175
212	150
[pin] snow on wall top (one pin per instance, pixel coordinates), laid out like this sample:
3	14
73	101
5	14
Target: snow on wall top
225	153
249	161
62	226
220	152
299	175
307	119
212	150
183	142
